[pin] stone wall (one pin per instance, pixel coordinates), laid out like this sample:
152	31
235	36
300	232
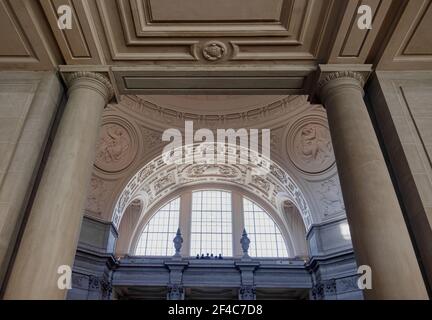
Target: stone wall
401	103
28	104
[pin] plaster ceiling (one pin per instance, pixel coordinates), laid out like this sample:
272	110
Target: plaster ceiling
138	40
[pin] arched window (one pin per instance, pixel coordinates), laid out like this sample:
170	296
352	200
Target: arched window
158	234
207	220
266	238
211	223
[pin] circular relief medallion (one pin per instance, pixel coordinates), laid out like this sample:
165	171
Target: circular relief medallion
310	147
116	148
214	50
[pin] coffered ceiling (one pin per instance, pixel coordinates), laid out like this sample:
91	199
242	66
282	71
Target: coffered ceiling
136	39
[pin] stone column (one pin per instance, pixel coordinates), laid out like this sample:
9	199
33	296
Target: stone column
379	234
52	230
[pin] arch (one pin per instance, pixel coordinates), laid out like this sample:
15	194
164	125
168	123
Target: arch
276	216
158	179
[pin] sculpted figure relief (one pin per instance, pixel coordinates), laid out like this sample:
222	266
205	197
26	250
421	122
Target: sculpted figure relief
315	144
114	148
331	197
113	144
95	197
311	149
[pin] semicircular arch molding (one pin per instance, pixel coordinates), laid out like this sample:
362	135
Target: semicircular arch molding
158	179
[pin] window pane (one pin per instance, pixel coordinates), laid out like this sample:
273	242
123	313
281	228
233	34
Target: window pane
266	238
211	223
157	236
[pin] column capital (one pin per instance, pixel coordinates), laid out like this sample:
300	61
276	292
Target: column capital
330	78
349	75
92	80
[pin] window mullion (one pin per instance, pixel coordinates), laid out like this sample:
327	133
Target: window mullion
185	222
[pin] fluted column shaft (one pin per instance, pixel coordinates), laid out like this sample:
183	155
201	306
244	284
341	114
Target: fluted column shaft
379	233
52	230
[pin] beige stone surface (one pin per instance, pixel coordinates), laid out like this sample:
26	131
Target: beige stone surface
52	230
28	102
401	102
286	116
202	46
379	234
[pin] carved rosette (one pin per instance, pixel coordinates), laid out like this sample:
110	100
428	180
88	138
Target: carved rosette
214	50
117	145
309	145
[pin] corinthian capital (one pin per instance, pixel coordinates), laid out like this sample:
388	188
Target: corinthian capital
91	80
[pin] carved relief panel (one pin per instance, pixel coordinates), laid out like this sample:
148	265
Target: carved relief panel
117	145
309	145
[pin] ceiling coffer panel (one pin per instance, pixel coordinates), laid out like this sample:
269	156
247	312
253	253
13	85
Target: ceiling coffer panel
25	38
410	45
221	33
215	31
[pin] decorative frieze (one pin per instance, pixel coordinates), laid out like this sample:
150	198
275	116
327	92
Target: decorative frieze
165	116
324	289
175	292
157	179
247	293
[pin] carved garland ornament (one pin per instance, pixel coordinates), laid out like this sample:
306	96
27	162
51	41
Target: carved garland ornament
158	179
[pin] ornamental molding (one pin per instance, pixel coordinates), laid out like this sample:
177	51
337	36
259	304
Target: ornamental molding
328	77
73	77
164	117
157	180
